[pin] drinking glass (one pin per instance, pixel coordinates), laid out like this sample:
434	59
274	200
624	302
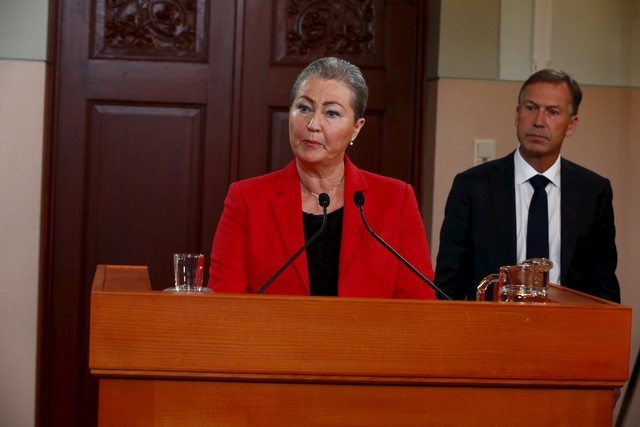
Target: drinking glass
188	269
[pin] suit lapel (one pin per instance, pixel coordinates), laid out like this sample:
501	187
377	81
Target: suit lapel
502	194
570	195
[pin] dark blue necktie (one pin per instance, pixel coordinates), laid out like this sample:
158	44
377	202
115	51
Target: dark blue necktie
538	223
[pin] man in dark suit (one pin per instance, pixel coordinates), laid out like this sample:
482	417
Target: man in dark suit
486	214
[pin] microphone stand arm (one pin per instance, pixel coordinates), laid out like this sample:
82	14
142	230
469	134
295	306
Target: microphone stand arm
295	256
400	257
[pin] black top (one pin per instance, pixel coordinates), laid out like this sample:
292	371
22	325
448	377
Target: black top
323	255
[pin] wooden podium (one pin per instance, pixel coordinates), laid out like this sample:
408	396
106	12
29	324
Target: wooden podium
169	359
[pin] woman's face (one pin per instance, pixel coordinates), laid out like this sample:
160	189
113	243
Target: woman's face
322	121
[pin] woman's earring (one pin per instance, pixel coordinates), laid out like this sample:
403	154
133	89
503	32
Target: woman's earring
351	143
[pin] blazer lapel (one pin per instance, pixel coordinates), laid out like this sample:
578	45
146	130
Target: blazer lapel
290	227
353	231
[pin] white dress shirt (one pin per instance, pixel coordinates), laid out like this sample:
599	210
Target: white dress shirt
524	193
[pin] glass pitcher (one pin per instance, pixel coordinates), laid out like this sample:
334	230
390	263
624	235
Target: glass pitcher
524	282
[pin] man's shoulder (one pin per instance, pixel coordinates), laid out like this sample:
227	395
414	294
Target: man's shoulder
585	175
503	164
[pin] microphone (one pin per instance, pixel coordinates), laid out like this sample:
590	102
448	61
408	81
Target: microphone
358	199
323	201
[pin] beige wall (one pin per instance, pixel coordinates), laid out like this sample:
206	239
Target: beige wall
22	81
605	141
477	45
628	211
21	147
15	17
596	40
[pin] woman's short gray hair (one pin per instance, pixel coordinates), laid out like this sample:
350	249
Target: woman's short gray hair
342	71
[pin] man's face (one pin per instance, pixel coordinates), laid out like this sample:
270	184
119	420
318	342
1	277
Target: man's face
543	120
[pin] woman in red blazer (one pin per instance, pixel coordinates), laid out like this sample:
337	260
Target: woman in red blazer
267	219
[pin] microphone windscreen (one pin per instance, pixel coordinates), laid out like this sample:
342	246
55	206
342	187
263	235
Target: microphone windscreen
324	200
358	198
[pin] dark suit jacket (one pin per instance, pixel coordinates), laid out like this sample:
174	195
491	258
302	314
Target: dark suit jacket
261	228
478	234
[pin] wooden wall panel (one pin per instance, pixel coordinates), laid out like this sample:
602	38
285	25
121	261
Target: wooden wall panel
145	186
280	151
366	151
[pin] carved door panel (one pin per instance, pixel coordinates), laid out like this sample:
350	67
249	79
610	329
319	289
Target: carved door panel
157	105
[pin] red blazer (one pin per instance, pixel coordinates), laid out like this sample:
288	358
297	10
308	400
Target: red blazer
261	228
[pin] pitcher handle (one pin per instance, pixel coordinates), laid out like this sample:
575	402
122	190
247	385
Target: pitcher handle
489	280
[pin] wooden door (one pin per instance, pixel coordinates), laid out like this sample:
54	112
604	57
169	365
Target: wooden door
157	105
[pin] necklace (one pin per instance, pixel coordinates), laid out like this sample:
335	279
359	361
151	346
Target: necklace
317	196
